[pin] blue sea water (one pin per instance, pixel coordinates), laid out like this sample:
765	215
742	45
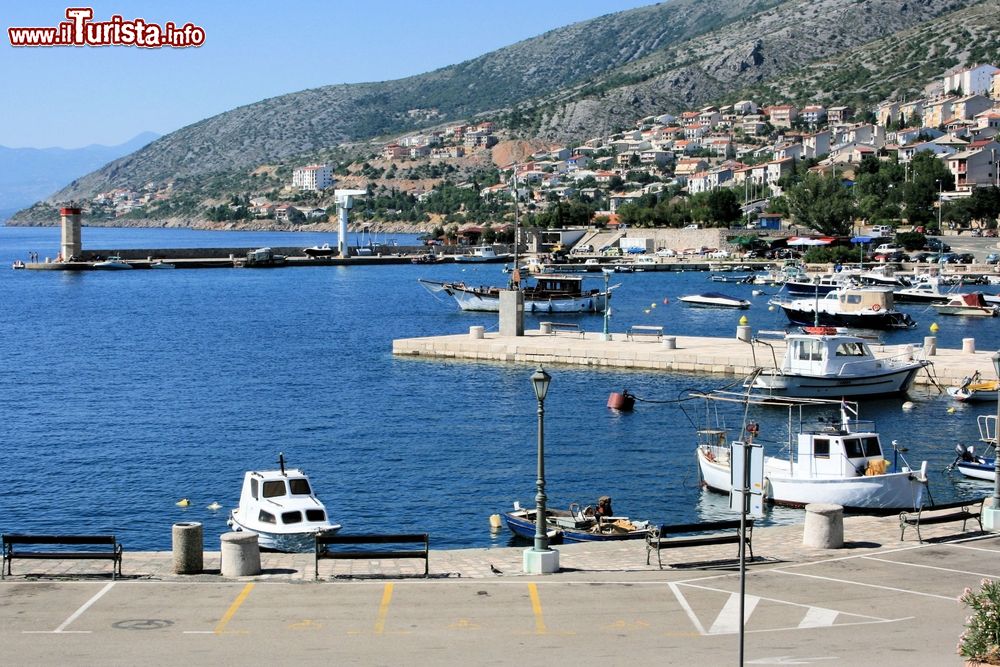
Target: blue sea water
122	392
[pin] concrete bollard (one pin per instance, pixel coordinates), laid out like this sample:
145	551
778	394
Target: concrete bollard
743	333
824	528
969	345
477	333
188	548
670	342
240	554
930	346
909	352
545	327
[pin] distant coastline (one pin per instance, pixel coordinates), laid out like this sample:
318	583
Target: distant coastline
262	225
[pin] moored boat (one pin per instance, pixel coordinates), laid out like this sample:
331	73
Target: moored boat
320	251
483	253
575	525
973	389
113	263
971	304
858	308
714	300
543	293
281	507
972	464
840	464
824	363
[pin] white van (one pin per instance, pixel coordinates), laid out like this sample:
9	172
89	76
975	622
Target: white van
882	231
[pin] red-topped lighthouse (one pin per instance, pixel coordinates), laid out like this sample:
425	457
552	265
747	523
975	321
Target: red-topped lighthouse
71	244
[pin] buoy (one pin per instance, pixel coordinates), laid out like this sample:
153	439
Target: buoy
214	506
757	292
652	305
646	311
908	405
666	300
771	308
951	410
934	327
495	522
623	401
183	502
743	321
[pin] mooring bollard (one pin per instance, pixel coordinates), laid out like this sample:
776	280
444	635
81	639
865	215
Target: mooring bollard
477	332
670	342
824	528
930	346
188	548
969	345
240	554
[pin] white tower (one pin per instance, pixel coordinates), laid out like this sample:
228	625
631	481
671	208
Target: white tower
345	201
71	245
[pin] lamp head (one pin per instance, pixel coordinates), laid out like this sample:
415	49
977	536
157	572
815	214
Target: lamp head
540	381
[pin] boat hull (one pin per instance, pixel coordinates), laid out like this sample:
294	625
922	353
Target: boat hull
522	523
891	383
981	469
880	320
297	542
873	493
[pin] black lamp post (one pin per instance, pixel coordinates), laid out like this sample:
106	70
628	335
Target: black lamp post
540	381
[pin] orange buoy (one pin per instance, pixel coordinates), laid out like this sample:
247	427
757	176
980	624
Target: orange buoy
623	401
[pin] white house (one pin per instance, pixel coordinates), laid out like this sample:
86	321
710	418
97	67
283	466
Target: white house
971	81
313	177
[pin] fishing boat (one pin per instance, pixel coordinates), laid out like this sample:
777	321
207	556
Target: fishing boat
926	291
858	308
740	278
113	263
482	254
575	525
972	464
714	300
543	293
818	284
824	363
320	251
838	463
971	304
974	389
281	507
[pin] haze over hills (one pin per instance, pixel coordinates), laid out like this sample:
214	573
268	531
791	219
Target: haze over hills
30	174
584	80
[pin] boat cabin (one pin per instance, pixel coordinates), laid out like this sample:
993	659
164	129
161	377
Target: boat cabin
555	285
856	300
281	498
837	452
826	353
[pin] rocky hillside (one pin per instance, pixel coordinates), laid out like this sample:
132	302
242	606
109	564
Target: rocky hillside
315	119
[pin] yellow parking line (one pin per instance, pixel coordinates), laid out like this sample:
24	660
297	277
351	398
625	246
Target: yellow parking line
536	606
383	609
224	621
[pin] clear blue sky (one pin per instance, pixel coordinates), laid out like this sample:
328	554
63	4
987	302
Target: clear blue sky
254	49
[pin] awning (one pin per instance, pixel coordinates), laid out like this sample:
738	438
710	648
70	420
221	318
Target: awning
862	239
809	240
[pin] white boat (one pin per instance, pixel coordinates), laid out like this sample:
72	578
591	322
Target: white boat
841	464
280	506
971	304
483	253
113	263
320	250
926	291
544	293
973	389
160	264
978	466
714	300
823	363
859	308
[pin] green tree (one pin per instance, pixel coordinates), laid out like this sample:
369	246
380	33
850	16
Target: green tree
821	202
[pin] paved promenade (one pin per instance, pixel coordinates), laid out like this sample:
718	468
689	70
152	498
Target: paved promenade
878	601
691	354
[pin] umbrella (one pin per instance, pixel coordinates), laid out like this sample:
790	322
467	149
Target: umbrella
806	240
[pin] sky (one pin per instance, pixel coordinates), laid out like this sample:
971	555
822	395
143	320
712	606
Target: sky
72	96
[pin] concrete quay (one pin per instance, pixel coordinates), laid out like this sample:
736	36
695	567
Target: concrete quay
677	354
877	601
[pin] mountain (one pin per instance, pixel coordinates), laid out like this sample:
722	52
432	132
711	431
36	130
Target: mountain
573	83
30	174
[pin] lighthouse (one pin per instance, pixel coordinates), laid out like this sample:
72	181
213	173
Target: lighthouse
71	246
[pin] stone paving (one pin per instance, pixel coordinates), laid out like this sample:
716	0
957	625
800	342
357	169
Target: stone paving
624	558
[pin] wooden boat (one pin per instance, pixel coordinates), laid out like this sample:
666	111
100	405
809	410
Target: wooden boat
858	308
843	464
543	293
715	300
824	363
574	525
971	304
280	506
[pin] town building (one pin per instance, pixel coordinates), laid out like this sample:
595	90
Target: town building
313	177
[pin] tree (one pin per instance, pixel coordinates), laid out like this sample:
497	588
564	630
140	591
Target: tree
723	206
822	203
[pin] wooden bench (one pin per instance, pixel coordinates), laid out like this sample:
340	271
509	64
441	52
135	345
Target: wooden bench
644	330
324	542
962	509
13	542
696	534
566	327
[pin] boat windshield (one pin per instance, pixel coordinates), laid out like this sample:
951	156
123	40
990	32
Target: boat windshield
852	349
299	486
862	447
274	489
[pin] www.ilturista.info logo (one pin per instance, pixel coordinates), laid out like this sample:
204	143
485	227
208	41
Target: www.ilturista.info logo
80	30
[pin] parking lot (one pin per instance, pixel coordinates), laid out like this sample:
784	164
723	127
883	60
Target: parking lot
865	605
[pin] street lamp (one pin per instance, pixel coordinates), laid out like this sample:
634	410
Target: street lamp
540	559
605	336
996	446
940	185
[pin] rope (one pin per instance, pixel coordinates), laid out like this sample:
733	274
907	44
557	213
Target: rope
933	379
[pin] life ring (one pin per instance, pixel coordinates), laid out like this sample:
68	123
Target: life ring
876	308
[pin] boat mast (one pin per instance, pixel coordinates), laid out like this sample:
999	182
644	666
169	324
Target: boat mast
515	275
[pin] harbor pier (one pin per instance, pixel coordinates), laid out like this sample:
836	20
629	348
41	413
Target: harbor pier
729	357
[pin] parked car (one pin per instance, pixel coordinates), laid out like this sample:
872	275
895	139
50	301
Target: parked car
666	252
965	258
937	245
946	258
992	258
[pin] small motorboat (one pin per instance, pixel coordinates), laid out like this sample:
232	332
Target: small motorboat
428	258
18	264
974	389
160	264
972	464
483	253
715	300
576	525
971	304
280	506
320	251
113	263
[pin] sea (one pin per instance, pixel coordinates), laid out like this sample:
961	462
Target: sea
122	393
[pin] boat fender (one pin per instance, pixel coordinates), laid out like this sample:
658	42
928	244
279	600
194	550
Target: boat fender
876	308
753	428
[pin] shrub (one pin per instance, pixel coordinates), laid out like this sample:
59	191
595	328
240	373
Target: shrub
981	638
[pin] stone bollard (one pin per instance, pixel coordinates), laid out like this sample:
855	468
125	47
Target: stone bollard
930	346
189	552
824	527
477	332
969	345
545	327
240	554
743	333
670	342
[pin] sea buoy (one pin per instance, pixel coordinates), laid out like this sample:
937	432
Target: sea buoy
495	522
771	308
214	506
757	292
666	300
908	405
183	502
951	410
652	305
934	327
623	401
646	311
